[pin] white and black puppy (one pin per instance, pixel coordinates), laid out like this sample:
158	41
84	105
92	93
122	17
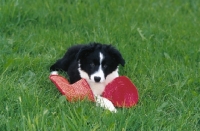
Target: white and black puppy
95	62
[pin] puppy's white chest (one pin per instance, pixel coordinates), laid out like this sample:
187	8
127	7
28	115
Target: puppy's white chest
97	88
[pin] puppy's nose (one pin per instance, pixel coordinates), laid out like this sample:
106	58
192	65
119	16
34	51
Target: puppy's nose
97	79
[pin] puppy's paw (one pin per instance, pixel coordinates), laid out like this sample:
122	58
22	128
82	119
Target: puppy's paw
105	103
54	73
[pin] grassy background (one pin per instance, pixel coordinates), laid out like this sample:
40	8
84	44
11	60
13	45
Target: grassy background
160	41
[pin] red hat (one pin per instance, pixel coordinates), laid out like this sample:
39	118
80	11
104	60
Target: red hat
121	92
73	92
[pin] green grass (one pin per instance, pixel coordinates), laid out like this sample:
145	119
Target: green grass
160	41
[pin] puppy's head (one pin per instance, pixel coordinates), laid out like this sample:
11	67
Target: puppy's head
99	63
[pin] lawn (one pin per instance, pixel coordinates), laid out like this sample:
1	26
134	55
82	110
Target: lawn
160	41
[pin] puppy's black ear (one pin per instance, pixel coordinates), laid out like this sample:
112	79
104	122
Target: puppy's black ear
116	55
83	52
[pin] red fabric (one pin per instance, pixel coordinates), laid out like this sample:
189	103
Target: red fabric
73	92
121	92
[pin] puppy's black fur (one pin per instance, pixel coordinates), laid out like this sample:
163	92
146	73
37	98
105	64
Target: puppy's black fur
86	57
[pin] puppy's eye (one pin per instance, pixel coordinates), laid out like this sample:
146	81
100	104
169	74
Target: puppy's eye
105	66
92	65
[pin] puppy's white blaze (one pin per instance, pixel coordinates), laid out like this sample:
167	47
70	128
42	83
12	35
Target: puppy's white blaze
101	57
100	72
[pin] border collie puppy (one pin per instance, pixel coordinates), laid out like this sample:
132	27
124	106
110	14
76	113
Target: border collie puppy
96	63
